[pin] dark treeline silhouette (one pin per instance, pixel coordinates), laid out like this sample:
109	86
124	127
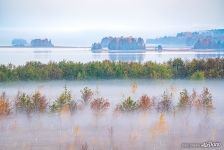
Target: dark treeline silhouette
68	70
120	43
96	46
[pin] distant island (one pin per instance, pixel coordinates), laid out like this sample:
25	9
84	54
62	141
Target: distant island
209	39
19	43
119	43
33	43
41	43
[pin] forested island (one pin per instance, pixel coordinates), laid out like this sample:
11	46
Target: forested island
120	43
209	39
41	43
68	70
33	43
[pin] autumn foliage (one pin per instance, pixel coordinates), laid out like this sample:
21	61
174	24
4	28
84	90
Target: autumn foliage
5	107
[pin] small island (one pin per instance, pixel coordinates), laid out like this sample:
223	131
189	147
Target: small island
123	44
18	42
41	43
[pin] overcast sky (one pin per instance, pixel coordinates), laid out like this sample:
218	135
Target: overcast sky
148	18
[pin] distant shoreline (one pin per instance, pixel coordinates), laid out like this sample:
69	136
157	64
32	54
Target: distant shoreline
46	47
148	49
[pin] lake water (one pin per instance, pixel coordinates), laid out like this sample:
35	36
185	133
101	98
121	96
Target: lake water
19	56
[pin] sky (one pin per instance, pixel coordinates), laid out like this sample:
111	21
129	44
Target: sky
80	22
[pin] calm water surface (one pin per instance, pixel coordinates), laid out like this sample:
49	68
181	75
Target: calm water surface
20	56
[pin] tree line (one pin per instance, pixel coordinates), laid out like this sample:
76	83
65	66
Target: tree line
38	103
68	70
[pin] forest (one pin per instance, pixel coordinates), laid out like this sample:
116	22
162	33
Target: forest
195	69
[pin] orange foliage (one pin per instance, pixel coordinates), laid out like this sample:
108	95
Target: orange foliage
160	127
145	103
134	87
99	104
4	105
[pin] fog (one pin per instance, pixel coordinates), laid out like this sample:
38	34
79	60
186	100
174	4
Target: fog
81	22
86	129
109	130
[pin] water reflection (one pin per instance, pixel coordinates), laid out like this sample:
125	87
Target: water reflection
20	56
206	56
127	57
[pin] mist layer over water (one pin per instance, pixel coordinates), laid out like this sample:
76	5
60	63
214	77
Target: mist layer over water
111	130
116	90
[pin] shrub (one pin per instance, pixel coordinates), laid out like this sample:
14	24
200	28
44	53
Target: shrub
39	101
127	105
99	105
145	103
206	98
165	105
64	101
184	100
5	108
86	95
24	103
